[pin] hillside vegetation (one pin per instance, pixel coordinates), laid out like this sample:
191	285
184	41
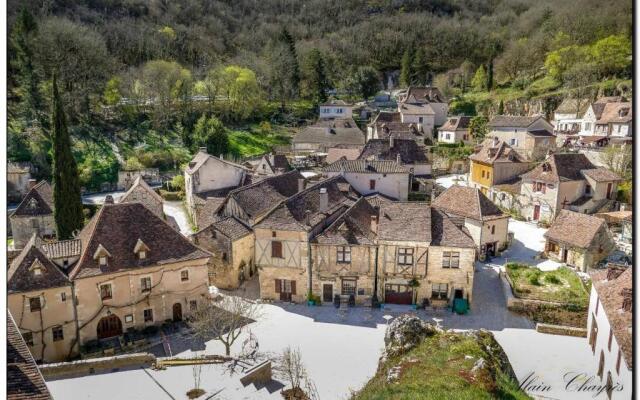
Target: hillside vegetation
138	77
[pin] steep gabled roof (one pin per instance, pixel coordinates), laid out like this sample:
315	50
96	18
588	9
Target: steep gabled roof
231	227
455	123
493	151
416	109
405	221
428	94
366	166
386	117
467	202
512	121
24	380
117	228
21	278
560	167
601	174
202	157
445	233
575	229
352	227
139	183
38	201
616	113
380	149
349	152
573	106
331	132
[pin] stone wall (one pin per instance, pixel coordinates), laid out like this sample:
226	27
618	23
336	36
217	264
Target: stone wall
23	227
150	200
561	330
78	368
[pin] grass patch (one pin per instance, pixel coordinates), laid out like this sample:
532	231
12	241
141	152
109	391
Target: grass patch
561	286
254	141
438	369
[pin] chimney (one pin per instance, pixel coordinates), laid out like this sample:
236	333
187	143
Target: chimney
300	184
398	159
108	199
324	200
31	184
391	141
374	224
627	299
202	150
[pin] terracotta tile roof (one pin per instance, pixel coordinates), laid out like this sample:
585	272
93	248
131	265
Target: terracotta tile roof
117	228
493	151
610	293
21	278
386	117
429	94
24	380
366	166
405	221
38	201
468	202
378	199
455	123
512	121
302	210
446	233
380	149
560	167
139	182
573	106
615	113
349	152
331	132
352	227
601	174
62	249
616	217
576	229
511	186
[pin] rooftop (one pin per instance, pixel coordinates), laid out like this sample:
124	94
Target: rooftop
468	202
455	123
38	201
366	166
381	149
31	270
492	150
512	121
331	132
575	229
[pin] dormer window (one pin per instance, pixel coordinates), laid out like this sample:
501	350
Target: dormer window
36	268
141	249
101	255
102	260
33	203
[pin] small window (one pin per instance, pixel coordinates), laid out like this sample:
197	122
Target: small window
34	304
37	271
405	256
105	292
103	260
65	263
483	173
57	333
344	254
439	291
145	284
348	286
128	318
193	305
213	234
184	275
273	233
493	229
63	296
224	256
372	184
276	249
142	254
450	259
28	338
148	315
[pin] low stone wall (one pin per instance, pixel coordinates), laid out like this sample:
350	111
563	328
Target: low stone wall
260	374
561	330
96	365
518	303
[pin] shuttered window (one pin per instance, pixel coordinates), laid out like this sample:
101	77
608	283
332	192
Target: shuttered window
276	249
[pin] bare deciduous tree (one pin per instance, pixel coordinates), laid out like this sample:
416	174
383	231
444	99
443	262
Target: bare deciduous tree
290	368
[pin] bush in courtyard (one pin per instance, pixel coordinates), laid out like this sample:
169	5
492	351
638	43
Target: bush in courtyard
551	278
533	277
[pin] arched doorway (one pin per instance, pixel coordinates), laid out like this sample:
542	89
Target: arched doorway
177	312
109	326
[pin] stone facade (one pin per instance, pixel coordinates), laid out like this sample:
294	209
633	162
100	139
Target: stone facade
457	279
127	178
141	192
24	226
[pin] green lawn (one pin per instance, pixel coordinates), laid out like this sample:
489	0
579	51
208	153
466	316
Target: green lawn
252	142
562	285
438	369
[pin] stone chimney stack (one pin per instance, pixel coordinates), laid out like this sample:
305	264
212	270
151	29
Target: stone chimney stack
324	200
374	224
300	184
108	199
31	184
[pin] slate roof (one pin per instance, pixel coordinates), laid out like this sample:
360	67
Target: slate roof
405	221
302	210
601	174
352	227
24	380
139	182
423	94
231	227
349	152
401	130
455	123
573	106
467	202
258	198
560	167
445	233
366	166
512	121
62	249
611	297
377	199
331	132
380	149
117	228
201	158
21	279
491	151
38	201
575	229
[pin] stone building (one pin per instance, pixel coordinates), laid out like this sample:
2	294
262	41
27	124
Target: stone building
579	240
33	215
389	124
326	133
40	296
232	244
126	178
19	180
272	164
455	130
424	102
532	137
468	207
389	178
141	192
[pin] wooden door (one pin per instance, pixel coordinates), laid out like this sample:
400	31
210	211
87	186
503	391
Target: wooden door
177	312
398	294
327	292
536	213
609	187
109	326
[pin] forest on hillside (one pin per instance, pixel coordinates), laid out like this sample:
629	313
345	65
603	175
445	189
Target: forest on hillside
144	82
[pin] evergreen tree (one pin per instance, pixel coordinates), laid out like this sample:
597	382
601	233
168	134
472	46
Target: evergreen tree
419	68
479	81
405	69
211	133
478	127
501	108
66	183
317	80
284	74
490	75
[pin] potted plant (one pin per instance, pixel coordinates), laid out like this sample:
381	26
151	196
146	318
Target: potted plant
310	299
414	284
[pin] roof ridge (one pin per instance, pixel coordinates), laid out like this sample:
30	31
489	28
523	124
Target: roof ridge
83	249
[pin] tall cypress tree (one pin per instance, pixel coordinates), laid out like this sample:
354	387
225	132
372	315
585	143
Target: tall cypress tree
419	67
66	183
405	69
318	82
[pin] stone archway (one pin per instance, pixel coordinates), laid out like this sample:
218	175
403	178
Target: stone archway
109	326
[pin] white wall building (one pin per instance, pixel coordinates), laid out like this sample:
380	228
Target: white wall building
336	109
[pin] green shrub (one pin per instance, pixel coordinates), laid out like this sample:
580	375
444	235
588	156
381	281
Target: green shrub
551	278
171	196
533	277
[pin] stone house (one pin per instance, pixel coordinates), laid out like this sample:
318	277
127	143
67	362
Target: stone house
531	137
207	181
40	296
610	331
389	178
487	225
24	380
419	244
141	192
344	256
422	115
596	119
283	237
348	152
272	164
421	97
327	133
33	215
134	271
566	181
63	253
579	240
19	180
494	162
232	244
567	117
389	124
126	178
455	130
336	109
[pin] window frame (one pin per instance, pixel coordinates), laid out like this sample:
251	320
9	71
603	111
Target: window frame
32	301
451	259
109	289
144	315
28	338
346	288
343	254
276	249
143	287
182	278
193	305
437	292
406	254
57	333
